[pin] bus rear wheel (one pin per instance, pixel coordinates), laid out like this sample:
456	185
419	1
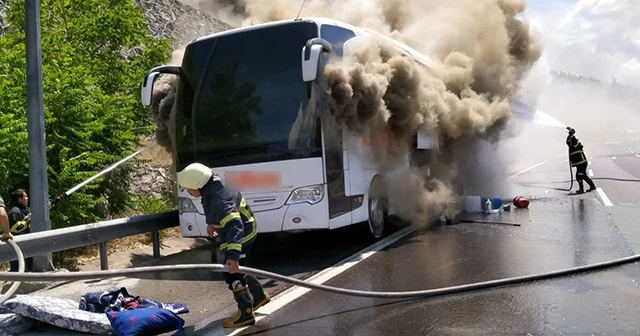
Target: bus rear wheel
378	210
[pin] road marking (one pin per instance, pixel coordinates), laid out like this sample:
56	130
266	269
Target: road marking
528	169
296	292
604	197
590	172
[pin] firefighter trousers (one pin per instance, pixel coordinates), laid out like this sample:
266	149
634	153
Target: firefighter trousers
581	175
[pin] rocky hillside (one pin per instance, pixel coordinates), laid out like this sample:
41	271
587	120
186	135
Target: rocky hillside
180	23
167	18
177	21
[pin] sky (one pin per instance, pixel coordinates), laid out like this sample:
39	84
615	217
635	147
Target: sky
599	38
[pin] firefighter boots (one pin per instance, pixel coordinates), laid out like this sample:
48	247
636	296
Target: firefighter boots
260	297
244	316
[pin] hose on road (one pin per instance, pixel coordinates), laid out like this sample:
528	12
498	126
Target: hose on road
16	284
607	178
20	276
541	184
593	178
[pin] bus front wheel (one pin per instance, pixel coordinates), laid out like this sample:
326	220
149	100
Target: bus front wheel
378	210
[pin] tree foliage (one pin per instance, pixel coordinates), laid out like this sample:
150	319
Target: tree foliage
94	54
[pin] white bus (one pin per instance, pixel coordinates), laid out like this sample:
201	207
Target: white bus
248	105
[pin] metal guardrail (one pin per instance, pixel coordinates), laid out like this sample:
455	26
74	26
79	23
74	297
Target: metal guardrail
39	243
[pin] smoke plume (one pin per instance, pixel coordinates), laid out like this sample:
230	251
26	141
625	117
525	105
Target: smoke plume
482	48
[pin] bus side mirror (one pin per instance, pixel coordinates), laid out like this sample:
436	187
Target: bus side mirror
147	88
146	91
311	57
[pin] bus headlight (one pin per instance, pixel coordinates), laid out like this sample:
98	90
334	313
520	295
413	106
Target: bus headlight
186	205
310	194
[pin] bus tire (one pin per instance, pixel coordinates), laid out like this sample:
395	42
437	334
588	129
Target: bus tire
378	209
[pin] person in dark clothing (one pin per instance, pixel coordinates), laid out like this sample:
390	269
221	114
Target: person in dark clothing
229	217
4	222
579	160
19	221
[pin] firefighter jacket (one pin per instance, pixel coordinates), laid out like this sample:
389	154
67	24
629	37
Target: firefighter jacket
17	219
576	152
230	215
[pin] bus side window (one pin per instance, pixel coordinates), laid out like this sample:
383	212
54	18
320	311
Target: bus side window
337	36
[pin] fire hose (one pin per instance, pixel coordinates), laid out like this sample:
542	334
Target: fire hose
540	184
15	285
21	276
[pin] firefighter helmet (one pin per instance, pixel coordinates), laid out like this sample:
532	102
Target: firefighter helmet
194	176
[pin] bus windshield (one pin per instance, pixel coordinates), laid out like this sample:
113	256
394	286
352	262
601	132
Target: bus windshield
250	104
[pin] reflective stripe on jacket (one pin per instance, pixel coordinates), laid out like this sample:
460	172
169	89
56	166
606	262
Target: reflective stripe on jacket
17	221
576	152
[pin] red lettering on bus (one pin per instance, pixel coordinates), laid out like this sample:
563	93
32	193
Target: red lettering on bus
251	180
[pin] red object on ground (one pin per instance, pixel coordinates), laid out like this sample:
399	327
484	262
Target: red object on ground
521	202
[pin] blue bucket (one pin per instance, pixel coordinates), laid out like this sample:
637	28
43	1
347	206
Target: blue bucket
497	202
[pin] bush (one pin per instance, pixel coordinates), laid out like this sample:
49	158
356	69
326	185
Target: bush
149	205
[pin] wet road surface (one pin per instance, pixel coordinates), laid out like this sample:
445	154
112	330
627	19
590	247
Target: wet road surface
570	233
557	231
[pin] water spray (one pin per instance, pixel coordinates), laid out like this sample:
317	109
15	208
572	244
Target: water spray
89	180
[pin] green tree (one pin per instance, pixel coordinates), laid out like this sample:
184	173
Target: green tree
94	54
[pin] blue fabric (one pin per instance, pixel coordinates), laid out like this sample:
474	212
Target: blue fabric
119	299
178	308
144	321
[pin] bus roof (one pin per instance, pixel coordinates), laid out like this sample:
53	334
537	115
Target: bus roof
416	55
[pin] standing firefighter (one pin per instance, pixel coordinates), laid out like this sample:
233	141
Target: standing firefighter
578	160
20	222
229	217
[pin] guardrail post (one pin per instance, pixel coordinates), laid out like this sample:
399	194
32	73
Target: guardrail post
156	244
104	258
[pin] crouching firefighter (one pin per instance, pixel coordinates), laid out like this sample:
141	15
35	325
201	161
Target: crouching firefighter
578	160
229	217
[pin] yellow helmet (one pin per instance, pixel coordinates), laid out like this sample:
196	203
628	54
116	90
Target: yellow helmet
194	176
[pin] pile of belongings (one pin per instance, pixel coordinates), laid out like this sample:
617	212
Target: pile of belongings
112	312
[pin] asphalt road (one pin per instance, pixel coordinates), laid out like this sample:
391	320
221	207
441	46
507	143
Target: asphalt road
557	231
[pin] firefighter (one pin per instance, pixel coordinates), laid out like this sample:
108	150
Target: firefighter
229	217
20	222
578	160
4	222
